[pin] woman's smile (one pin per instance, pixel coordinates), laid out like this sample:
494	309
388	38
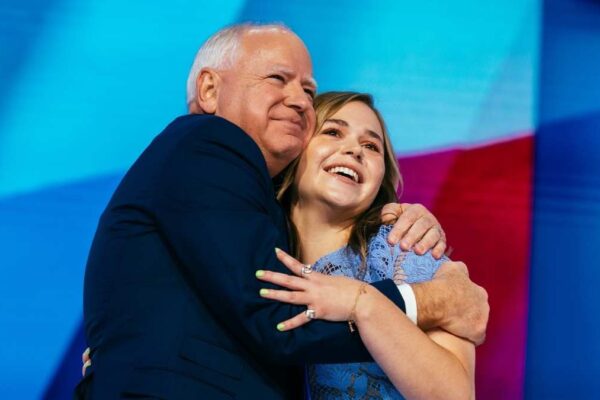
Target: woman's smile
343	164
344	172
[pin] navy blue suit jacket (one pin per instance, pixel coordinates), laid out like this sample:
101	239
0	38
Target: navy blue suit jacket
171	303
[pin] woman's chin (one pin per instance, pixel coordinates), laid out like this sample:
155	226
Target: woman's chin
340	202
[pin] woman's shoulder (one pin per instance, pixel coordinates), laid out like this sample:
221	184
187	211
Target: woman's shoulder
381	256
378	242
388	261
379	239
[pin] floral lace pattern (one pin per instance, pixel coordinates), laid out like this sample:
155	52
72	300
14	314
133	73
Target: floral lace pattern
383	261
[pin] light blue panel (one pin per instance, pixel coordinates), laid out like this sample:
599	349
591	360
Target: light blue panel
44	237
508	109
21	25
443	73
101	81
107	75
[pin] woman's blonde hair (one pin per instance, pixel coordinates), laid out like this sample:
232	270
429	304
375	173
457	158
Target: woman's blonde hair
367	223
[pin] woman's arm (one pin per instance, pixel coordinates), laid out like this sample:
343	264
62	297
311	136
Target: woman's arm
436	365
432	365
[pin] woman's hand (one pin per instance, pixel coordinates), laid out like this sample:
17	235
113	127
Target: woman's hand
330	297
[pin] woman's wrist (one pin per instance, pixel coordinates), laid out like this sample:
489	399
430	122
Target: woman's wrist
366	305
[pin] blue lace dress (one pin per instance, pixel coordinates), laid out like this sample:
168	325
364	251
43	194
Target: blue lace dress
383	261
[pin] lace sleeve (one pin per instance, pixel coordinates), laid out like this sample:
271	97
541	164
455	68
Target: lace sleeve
421	268
388	261
384	260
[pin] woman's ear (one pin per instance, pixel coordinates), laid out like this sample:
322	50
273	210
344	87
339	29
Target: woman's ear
207	86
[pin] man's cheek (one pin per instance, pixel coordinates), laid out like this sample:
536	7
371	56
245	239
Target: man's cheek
306	140
308	134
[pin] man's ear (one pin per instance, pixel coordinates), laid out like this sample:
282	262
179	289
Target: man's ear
207	87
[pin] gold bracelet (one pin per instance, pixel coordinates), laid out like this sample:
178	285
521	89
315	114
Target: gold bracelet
352	316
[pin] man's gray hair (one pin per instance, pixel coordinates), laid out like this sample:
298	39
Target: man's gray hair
220	51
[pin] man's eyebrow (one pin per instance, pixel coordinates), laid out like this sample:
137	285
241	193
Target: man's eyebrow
310	82
282	68
343	123
287	71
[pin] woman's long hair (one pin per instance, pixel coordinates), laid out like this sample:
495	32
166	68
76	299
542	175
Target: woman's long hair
367	223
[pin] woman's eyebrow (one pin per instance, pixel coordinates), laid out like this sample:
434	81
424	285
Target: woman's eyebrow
375	135
344	123
337	121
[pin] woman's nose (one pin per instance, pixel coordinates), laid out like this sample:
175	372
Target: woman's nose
354	149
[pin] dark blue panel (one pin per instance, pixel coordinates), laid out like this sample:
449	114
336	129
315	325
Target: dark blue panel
563	357
570	59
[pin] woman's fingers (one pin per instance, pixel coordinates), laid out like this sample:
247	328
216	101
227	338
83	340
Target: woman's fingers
285	296
284	280
294	322
290	262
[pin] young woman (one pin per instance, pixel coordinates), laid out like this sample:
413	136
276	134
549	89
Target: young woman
334	193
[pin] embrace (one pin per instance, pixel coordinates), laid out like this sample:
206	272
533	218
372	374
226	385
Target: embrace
245	255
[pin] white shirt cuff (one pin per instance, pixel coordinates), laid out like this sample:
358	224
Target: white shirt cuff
410	301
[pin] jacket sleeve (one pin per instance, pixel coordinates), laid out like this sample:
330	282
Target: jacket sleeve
212	207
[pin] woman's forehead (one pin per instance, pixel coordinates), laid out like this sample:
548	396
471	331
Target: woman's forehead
357	115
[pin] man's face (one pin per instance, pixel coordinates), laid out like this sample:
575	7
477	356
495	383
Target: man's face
268	93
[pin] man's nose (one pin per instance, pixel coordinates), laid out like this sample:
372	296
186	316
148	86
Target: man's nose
297	98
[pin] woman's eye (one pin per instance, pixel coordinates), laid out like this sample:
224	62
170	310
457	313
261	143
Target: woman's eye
331	132
372	146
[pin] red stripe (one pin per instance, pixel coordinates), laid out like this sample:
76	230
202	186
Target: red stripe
482	197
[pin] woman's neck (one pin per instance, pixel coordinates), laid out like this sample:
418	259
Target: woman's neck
318	232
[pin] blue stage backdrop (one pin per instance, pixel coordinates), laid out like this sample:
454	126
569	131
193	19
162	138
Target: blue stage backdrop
493	108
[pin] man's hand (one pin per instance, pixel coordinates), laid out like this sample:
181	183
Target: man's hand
451	301
415	226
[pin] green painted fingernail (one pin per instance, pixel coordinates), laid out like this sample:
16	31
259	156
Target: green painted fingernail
277	250
259	273
264	292
280	327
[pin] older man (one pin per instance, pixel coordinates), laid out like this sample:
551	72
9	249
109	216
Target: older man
171	304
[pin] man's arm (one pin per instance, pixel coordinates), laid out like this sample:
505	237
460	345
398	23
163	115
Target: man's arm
451	301
212	208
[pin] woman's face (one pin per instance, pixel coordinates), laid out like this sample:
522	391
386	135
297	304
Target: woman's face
343	164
